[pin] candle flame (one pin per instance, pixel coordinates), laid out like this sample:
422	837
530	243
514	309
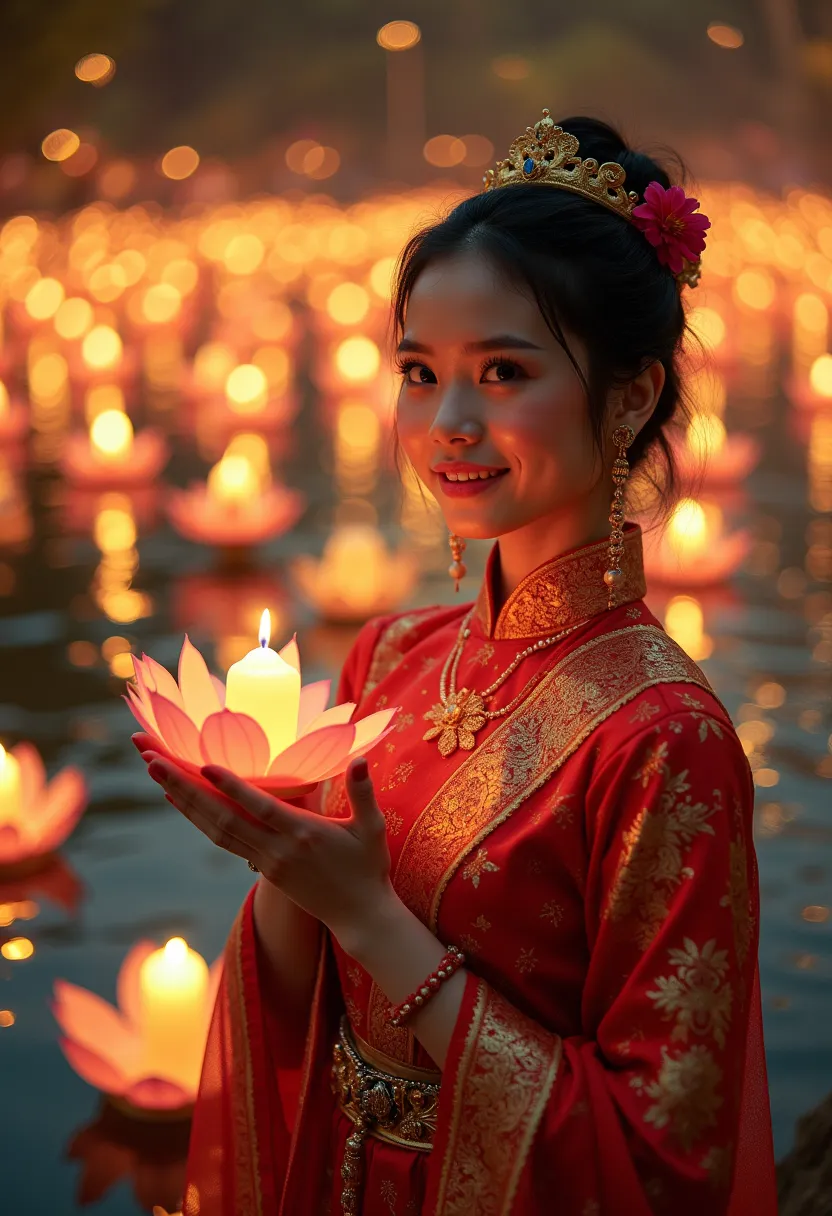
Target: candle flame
176	950
2	757
265	628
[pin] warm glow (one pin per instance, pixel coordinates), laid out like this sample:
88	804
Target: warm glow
181	273
820	376
705	435
398	35
114	530
479	151
60	145
44	298
6	1018
708	326
96	69
275	364
273	321
102	347
80	162
726	36
244	253
100	398
74	318
756	289
48	377
10	789
233	480
687	530
212	364
17	948
246	389
348	303
160	303
358	358
511	67
4	400
381	277
810	313
321	162
179	162
116	180
112	434
255	450
444	151
296	153
264	633
684	622
173	986
267	688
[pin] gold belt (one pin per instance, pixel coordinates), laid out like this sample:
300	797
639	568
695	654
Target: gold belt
392	1101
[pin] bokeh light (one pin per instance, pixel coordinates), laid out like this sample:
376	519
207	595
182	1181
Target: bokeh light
444	151
60	144
358	359
726	36
179	162
102	347
820	376
398	35
96	69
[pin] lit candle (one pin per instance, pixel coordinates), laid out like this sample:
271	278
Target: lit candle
111	435
687	532
354	559
267	688
9	789
705	436
233	480
173	986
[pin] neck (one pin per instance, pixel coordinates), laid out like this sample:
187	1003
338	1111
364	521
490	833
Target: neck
526	548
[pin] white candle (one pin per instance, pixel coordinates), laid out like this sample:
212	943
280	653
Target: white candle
267	688
173	983
9	789
111	435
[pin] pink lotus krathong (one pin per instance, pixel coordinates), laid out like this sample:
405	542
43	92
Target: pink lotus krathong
192	726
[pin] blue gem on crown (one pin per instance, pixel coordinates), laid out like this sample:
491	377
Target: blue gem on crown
528	165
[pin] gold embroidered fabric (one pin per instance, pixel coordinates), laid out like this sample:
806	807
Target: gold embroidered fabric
561	592
518	757
390	646
508	1067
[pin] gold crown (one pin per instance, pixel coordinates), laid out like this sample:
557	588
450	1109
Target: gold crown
545	153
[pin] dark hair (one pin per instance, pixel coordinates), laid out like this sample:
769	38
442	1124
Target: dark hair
590	271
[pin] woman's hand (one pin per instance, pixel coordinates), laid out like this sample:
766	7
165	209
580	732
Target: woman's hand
338	870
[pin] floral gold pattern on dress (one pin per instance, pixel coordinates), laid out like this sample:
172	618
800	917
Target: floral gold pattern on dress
685	1094
505	1076
651	864
457	723
552	911
526	960
478	866
645	711
697	997
564	591
718	1163
390	646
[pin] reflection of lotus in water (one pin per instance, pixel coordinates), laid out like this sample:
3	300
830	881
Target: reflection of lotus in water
357	576
48	811
53	879
150	1156
106	1046
193	727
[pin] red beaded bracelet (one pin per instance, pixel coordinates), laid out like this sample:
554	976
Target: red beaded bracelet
451	962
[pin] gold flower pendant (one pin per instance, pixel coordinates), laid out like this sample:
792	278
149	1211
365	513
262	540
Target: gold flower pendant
457	721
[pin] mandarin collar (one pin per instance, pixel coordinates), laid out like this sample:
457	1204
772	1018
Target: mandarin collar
560	592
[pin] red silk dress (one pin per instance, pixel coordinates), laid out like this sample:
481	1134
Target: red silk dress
592	856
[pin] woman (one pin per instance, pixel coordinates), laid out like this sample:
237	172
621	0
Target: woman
563	801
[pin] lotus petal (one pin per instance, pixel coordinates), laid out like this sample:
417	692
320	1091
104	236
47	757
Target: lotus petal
177	729
142	711
313	699
95	1070
66	797
366	737
12	846
92	1023
331	717
220	689
157	1093
303	760
32	774
128	991
236	742
162	681
145	683
198	692
290	654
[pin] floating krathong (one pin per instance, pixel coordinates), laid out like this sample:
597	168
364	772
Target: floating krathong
111	455
357	576
693	550
36	816
261	724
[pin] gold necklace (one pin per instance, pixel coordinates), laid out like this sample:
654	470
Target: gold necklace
459	714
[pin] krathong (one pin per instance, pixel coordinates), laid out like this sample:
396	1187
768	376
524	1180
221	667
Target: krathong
357	575
261	724
146	1053
36	816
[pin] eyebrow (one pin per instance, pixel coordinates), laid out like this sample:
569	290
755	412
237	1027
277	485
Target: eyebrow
498	342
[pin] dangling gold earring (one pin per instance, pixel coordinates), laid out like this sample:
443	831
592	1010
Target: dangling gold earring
622	437
457	569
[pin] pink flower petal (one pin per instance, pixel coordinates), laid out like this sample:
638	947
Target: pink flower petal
236	742
688	207
95	1025
369	732
142	712
93	1068
157	1093
63	806
675	197
290	654
219	688
163	681
128	992
199	695
313	699
698	223
331	717
303	760
32	774
177	729
13	845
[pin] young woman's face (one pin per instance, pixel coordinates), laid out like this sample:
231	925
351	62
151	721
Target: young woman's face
487	387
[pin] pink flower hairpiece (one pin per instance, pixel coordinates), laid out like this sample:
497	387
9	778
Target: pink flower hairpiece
667	219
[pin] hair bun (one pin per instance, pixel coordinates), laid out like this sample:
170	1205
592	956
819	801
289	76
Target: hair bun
603	143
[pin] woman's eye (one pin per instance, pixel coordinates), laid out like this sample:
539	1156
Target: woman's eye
418	373
502	372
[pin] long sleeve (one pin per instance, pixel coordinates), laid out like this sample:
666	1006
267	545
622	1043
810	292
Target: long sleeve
642	1111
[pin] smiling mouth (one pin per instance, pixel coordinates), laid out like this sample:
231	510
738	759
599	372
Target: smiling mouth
462	478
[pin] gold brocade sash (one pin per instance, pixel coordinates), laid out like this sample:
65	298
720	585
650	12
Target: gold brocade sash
516	759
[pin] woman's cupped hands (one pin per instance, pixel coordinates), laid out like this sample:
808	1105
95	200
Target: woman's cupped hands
337	870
